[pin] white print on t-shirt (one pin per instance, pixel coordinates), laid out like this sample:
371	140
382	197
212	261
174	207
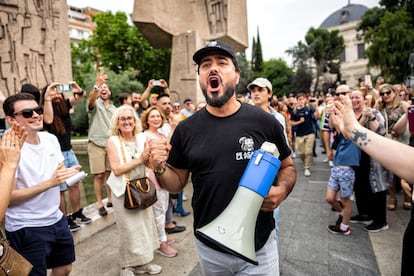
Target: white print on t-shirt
247	145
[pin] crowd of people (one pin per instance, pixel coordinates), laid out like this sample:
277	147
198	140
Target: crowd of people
146	135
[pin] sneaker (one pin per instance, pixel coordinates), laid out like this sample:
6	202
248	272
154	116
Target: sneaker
79	217
331	163
73	227
360	219
166	250
325	160
128	271
336	229
151	269
374	227
307	172
339	220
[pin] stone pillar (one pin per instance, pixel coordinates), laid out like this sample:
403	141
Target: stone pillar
185	26
34	44
184	77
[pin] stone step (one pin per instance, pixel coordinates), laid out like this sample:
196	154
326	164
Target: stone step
98	223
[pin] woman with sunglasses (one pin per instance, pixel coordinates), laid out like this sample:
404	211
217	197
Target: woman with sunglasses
392	108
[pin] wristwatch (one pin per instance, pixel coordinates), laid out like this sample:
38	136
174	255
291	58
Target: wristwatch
373	118
160	171
96	88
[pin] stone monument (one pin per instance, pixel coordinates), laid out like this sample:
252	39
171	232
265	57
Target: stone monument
185	26
34	43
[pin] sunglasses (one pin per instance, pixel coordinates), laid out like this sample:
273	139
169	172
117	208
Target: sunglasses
402	95
28	113
385	93
341	93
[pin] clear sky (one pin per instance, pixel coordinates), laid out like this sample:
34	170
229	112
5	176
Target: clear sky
281	23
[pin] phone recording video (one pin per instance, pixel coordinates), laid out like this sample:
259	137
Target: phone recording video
64	88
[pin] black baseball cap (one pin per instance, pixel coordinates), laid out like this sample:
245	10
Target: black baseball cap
216	46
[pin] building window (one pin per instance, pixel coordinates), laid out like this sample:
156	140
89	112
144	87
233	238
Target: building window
361	51
342	56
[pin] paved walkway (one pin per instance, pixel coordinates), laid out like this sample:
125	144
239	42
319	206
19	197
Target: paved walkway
307	248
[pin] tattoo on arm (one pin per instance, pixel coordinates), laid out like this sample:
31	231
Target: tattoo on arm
360	135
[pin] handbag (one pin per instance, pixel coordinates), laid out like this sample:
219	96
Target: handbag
11	262
140	193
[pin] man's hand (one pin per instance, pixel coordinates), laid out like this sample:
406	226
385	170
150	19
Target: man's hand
343	116
159	153
62	174
101	78
273	199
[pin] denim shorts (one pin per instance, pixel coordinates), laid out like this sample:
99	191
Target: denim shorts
44	247
70	161
342	179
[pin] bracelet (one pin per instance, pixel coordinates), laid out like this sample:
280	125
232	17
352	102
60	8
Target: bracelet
373	118
160	171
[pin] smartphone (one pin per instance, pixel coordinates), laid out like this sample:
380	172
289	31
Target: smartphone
64	88
368	81
156	82
410	114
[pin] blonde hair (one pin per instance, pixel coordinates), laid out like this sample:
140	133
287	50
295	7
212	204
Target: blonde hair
395	102
114	129
145	115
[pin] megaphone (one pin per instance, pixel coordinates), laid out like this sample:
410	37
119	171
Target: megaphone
233	230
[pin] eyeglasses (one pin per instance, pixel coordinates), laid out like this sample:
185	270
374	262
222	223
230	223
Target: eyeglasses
124	119
385	93
403	95
342	93
28	112
176	106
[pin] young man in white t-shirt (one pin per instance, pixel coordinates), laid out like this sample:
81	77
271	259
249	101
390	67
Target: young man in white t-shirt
35	226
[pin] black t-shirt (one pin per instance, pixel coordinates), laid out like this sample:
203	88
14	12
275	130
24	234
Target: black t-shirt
64	140
216	152
307	126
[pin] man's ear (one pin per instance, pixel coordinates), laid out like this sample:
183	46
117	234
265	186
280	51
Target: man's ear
238	78
10	119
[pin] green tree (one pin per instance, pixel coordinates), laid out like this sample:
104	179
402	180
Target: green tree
390	34
246	73
125	81
117	45
302	80
300	55
279	74
257	56
325	48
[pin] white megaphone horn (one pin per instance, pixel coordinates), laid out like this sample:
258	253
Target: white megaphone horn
233	230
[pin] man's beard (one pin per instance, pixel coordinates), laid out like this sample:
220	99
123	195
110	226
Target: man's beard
219	101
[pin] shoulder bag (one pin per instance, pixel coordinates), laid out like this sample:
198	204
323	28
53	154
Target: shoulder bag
140	193
11	262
